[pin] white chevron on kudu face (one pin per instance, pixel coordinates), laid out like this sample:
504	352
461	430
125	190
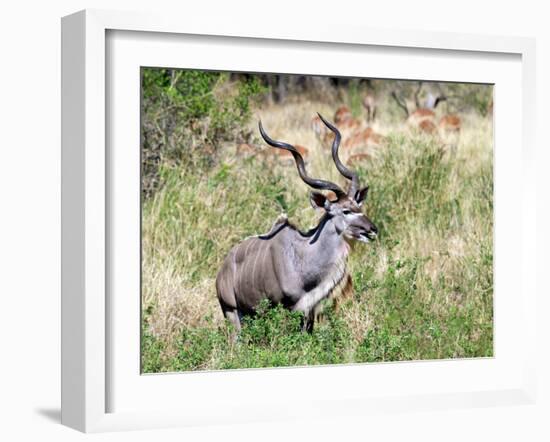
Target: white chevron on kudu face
293	268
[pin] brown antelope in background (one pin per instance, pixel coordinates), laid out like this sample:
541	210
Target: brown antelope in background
355	135
293	268
423	118
345	120
428	126
358	158
319	127
343	113
449	131
369	103
346	123
363	139
247	150
450	123
284	155
417	117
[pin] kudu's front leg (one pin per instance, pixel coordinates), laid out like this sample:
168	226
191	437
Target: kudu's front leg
308	321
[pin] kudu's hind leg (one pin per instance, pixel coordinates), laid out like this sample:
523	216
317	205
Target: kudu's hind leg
232	315
227	299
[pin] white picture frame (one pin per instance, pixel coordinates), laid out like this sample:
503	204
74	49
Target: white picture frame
89	320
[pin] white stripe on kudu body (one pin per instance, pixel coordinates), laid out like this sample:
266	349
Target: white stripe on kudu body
293	268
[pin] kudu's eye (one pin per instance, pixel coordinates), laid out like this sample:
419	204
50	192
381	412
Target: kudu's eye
346	212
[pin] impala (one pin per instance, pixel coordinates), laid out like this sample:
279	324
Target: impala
302	150
450	123
427	126
423	118
369	103
363	139
359	158
345	121
247	150
343	113
293	268
449	131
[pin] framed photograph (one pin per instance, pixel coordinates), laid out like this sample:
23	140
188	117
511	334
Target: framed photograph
250	214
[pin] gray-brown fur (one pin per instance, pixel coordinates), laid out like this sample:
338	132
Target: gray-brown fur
297	269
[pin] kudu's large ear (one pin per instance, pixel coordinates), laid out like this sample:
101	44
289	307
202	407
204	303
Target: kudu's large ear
319	201
361	195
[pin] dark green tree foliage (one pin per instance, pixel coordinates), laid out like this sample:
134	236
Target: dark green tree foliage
187	115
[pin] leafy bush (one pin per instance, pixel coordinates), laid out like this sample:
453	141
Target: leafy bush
187	114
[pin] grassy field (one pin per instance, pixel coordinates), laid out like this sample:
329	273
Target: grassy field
422	290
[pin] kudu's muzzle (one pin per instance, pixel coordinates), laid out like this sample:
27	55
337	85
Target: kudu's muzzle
363	230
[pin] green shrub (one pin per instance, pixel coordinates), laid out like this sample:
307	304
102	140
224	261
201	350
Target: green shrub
187	114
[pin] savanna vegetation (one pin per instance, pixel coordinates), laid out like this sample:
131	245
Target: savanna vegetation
422	290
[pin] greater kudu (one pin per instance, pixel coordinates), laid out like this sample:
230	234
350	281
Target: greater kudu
293	268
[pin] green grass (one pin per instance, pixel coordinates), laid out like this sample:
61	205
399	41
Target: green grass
423	290
272	339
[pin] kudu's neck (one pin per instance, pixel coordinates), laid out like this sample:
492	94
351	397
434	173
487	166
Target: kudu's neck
327	243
